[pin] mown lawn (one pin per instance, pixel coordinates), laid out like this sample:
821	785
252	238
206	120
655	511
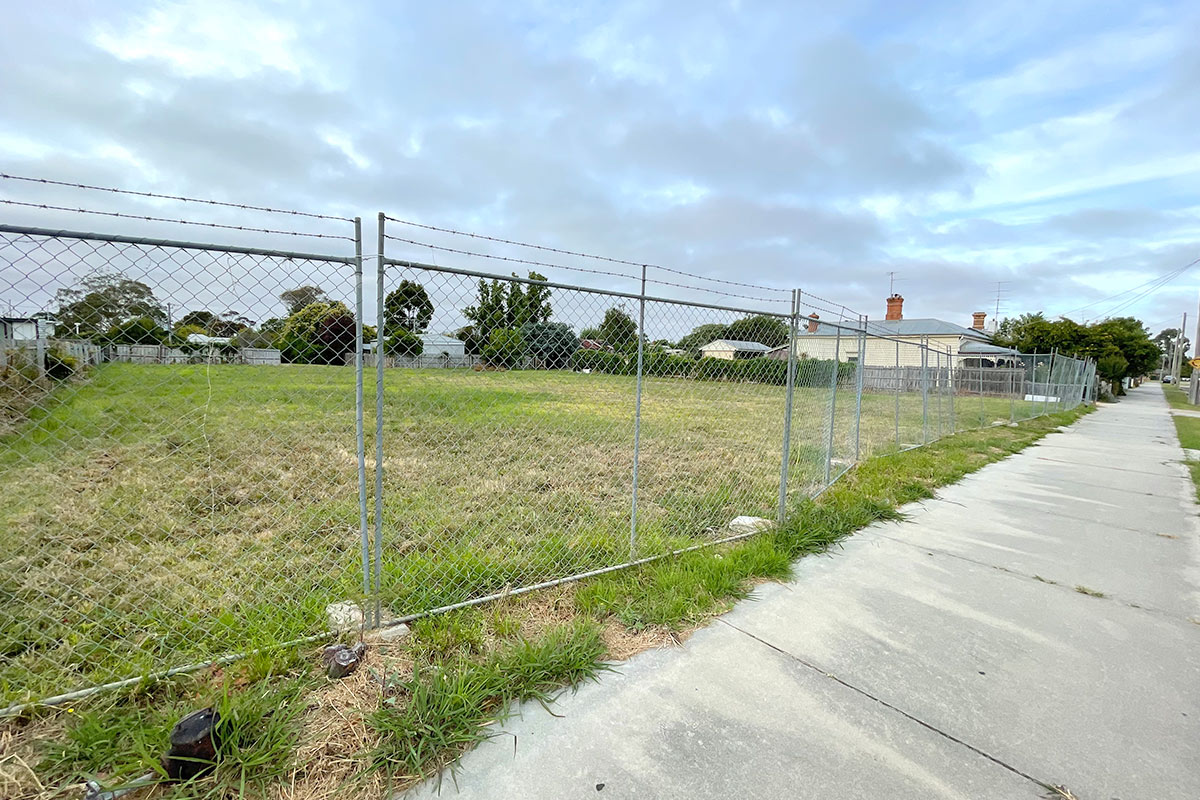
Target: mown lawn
159	515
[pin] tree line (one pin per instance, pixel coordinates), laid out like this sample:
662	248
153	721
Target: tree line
1121	346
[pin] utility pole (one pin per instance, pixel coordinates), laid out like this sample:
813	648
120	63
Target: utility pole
1194	385
1177	363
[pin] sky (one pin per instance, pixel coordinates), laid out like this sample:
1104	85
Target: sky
1045	152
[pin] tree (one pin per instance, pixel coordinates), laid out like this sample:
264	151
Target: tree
551	344
319	333
528	303
472	341
702	335
199	319
618	329
490	309
1166	342
102	301
296	299
589	333
229	324
771	331
1112	368
139	330
403	343
502	304
407	308
505	347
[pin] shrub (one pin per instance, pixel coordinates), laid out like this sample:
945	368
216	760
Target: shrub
550	343
505	347
403	343
60	365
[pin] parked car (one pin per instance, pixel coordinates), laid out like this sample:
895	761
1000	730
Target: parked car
1168	378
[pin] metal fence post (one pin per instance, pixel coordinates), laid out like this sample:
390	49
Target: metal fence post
858	384
637	416
924	390
939	393
950	388
981	406
786	455
358	408
380	355
1049	378
833	383
899	388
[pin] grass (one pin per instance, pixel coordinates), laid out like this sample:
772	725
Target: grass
448	704
1186	428
119	737
1177	397
158	515
1089	592
424	701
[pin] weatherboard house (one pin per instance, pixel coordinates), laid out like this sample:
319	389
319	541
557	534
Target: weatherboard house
731	349
890	340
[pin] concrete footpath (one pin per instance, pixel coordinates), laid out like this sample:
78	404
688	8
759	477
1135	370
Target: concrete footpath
951	655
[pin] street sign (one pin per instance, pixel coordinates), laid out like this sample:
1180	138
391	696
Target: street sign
1195	362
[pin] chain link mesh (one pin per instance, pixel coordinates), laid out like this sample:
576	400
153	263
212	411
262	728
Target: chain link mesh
181	462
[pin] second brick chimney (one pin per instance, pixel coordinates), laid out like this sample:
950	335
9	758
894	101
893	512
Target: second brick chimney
977	319
812	322
895	307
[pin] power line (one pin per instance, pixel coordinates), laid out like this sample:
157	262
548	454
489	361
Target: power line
1159	281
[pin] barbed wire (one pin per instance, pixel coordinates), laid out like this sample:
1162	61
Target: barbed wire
49	207
579	254
549	265
181	198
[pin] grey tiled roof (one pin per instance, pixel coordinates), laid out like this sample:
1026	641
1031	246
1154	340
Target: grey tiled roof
737	344
898	327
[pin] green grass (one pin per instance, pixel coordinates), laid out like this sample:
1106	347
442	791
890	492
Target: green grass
160	515
679	593
119	737
469	667
1177	397
447	704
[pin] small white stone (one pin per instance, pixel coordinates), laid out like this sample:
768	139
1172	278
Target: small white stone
750	524
392	633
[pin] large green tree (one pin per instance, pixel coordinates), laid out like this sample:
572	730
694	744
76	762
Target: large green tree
301	296
618	329
100	302
702	335
760	328
407	308
504	305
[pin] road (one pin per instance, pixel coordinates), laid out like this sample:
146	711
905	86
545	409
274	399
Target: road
1036	624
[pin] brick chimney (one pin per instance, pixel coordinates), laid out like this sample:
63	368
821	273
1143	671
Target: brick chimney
977	319
895	307
812	322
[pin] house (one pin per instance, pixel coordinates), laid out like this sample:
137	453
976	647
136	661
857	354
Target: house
437	344
888	340
731	349
26	328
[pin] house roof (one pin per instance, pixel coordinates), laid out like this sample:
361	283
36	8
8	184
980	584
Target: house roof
438	338
986	348
736	344
200	338
897	327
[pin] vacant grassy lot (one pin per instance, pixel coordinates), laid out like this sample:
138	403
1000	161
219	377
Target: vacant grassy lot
158	515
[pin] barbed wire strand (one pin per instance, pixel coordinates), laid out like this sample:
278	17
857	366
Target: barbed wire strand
181	198
579	254
549	265
174	221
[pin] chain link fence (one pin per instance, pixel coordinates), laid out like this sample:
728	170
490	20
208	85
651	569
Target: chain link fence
208	448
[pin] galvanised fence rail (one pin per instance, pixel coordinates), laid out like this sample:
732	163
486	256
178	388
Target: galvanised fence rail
211	448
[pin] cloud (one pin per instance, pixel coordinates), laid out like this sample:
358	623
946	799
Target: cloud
783	144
